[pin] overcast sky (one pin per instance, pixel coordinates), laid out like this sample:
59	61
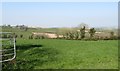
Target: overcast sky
60	14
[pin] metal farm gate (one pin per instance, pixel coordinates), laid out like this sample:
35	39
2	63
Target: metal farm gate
7	46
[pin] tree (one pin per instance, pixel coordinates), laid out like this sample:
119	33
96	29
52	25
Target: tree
92	32
66	35
9	26
112	35
25	28
76	35
83	25
71	35
82	31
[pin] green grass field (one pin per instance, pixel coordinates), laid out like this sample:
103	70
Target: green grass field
62	54
66	54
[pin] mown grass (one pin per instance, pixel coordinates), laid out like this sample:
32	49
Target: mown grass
66	54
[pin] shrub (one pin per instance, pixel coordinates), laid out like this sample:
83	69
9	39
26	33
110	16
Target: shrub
4	36
31	37
82	31
16	36
92	32
21	36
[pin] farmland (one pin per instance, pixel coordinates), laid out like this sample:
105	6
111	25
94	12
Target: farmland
61	53
59	36
66	54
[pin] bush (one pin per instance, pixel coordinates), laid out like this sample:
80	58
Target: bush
16	36
76	35
21	36
9	36
42	37
4	35
115	38
37	37
106	38
31	37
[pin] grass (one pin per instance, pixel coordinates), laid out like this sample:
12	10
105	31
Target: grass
62	54
66	54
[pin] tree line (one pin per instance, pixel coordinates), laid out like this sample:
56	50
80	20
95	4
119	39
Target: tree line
79	34
69	34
